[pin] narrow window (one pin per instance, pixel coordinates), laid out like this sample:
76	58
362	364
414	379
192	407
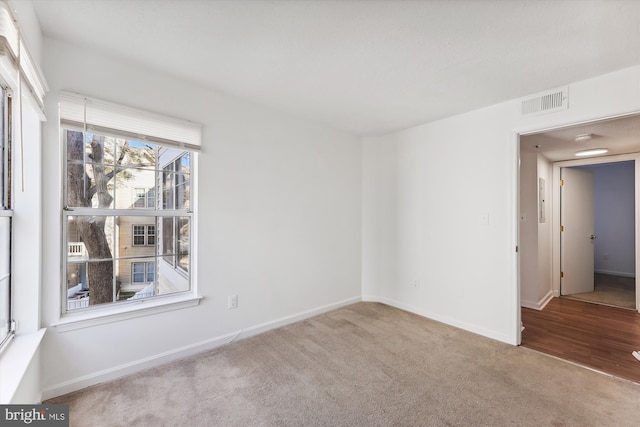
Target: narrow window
6	214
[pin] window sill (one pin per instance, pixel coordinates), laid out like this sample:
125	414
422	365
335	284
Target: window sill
101	316
15	361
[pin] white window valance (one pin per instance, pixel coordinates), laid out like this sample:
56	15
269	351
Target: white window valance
94	115
13	48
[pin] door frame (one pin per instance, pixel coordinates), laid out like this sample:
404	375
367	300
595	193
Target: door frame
555	190
514	187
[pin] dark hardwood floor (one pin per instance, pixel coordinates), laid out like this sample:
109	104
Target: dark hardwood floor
593	335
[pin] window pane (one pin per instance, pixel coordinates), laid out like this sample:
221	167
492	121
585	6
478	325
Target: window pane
183	243
77	285
171	279
90	237
132	276
168	187
133	186
90	162
168	237
182	191
95	284
140	154
151	271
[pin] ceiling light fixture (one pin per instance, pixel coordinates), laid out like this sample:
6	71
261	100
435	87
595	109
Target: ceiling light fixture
592	152
583	137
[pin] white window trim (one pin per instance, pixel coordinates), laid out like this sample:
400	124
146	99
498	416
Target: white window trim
7	212
107	313
80	319
99	315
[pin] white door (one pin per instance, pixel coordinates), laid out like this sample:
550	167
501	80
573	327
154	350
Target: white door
577	235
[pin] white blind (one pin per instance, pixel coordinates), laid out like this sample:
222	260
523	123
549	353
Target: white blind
13	46
81	112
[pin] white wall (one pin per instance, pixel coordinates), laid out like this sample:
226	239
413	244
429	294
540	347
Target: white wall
20	362
545	237
444	180
279	221
614	209
535	236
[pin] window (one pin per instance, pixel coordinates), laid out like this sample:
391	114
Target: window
144	235
6	324
144	198
114	235
143	272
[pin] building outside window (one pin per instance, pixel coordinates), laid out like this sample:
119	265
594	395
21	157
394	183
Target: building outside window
113	181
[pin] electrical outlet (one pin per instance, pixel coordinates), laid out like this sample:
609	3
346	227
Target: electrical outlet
232	301
416	284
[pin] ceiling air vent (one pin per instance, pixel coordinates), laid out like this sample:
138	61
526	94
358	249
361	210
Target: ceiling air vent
546	102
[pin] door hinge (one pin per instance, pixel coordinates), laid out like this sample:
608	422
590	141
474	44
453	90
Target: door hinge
562	228
561	274
516	249
561	182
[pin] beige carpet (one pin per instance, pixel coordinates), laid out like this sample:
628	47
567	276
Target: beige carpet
363	365
617	291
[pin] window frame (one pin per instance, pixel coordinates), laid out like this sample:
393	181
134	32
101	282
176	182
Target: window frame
6	210
155	215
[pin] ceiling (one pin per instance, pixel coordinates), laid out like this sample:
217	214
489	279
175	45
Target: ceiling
364	66
619	136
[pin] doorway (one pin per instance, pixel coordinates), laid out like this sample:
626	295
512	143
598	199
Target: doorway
597	233
540	155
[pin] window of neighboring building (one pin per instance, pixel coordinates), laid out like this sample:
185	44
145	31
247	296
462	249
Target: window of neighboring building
143	272
6	324
144	235
144	198
104	167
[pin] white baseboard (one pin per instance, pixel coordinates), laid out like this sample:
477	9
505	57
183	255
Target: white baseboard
540	304
443	319
615	273
182	352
